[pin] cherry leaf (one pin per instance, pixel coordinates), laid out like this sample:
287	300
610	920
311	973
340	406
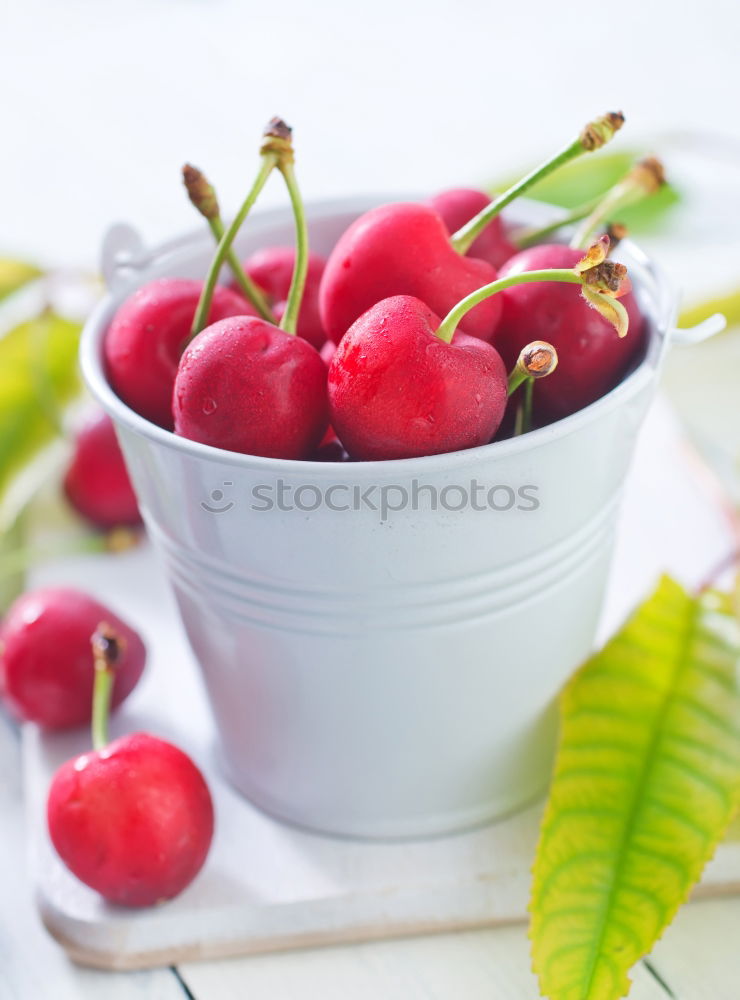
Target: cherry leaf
646	782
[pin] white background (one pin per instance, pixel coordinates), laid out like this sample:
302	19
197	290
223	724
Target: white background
102	102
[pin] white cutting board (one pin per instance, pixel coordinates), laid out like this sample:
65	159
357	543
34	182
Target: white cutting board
268	886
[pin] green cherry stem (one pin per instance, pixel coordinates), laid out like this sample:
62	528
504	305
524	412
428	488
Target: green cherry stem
537	360
106	648
203	196
449	324
523	418
269	162
644	179
289	322
595	135
528	236
275	144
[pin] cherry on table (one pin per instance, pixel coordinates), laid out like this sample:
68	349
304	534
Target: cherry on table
97	482
133	819
46	671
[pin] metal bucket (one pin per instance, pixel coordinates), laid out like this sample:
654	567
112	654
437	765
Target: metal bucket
384	672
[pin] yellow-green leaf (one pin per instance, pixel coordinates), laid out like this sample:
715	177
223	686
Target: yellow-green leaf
728	305
38	375
14	274
591	176
11	583
646	782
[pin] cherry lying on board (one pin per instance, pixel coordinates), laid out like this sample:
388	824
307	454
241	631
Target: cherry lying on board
46	671
133	819
246	386
458	206
272	269
592	358
402	249
397	390
97	482
146	338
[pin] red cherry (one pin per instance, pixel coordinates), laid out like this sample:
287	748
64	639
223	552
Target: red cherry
272	269
396	390
592	358
244	385
402	249
458	206
134	821
147	336
97	483
46	672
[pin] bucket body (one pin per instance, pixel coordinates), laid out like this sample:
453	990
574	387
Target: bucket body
382	643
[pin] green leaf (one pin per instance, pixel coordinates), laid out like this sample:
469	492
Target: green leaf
728	304
38	375
646	782
591	176
733	832
14	274
11	583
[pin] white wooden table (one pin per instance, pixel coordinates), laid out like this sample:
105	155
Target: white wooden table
698	960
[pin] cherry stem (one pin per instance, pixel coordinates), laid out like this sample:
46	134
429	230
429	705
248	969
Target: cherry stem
529	236
249	289
537	360
269	162
276	149
289	322
203	197
523	419
447	327
595	135
645	178
107	647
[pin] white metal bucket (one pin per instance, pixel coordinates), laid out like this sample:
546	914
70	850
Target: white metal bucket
370	675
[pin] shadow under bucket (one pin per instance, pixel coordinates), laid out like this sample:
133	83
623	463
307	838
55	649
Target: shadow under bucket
384	667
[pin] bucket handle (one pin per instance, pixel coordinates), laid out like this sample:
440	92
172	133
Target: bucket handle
121	253
124	253
697	334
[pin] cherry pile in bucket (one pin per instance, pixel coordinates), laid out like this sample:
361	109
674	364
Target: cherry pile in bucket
432	326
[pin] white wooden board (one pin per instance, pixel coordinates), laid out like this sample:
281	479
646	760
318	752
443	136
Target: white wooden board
267	886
